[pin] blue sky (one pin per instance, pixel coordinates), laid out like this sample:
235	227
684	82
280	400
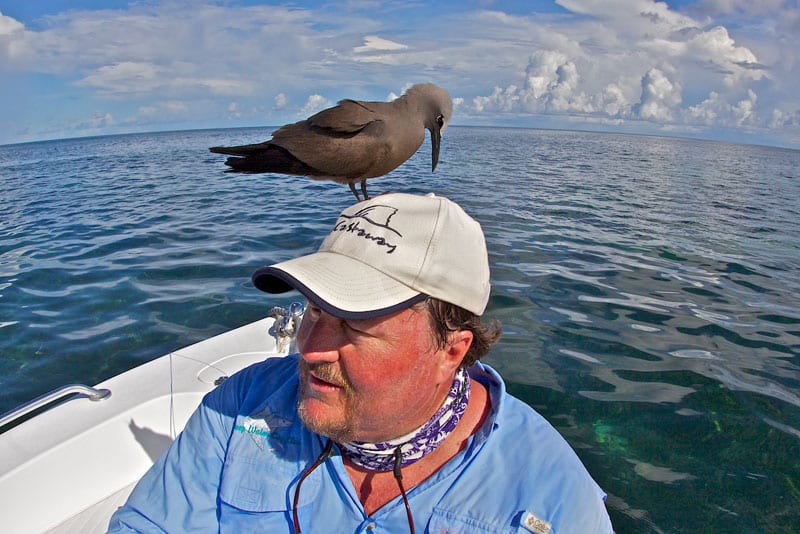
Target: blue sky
718	69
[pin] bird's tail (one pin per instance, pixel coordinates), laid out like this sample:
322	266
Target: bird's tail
264	157
243	150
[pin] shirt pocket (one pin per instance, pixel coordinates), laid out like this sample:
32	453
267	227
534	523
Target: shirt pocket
449	522
257	479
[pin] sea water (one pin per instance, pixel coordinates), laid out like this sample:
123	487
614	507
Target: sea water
648	287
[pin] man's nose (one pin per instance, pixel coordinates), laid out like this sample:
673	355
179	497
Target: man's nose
320	337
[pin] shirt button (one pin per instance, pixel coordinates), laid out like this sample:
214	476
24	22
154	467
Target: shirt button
370	527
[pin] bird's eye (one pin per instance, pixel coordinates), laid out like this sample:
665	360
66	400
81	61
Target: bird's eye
440	120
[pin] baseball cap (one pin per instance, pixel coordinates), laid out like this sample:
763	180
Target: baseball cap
386	253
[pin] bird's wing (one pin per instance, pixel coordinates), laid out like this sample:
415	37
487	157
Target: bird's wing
347	117
337	154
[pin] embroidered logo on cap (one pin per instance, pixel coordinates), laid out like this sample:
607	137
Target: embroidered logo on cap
376	215
534	524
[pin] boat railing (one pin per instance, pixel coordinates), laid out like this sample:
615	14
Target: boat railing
283	329
75	390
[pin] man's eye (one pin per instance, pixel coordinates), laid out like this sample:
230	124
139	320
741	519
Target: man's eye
355	326
351	326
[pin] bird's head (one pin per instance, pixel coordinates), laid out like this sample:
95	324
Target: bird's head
437	108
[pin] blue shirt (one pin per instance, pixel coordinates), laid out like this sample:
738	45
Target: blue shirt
236	465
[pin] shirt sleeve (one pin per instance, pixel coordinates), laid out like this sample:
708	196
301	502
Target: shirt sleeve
179	492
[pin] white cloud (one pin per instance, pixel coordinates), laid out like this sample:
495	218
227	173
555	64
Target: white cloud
12	39
172	108
373	43
233	110
176	107
660	97
315	103
541	74
637	18
127	76
153	46
612	101
782	119
552	83
281	101
632	60
9	25
717	111
747	7
130	77
716	47
500	100
101	120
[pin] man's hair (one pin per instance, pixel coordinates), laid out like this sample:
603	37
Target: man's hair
447	318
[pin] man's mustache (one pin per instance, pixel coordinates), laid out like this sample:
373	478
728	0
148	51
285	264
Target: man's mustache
327	372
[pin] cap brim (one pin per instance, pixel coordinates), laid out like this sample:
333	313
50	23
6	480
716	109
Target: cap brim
339	285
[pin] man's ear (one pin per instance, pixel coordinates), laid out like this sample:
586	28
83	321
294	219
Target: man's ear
458	343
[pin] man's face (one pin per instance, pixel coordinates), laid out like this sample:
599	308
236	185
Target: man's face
369	380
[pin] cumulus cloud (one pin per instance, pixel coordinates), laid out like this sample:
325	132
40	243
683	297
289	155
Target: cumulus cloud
12	37
782	119
315	103
716	111
644	62
717	48
612	101
9	25
500	100
553	84
660	98
541	74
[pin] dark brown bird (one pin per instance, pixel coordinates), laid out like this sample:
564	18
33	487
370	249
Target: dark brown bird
352	141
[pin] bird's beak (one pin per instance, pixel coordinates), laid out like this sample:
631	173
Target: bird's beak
436	139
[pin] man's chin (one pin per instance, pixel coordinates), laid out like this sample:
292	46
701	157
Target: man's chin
336	428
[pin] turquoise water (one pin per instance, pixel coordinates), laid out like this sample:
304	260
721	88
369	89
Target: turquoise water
649	289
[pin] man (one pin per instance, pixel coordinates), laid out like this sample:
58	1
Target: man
385	421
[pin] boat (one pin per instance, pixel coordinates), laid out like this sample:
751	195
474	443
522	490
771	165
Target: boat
71	457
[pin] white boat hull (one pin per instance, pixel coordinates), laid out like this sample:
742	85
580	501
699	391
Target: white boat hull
69	468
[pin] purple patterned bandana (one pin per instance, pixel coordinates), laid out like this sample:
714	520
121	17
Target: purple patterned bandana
422	441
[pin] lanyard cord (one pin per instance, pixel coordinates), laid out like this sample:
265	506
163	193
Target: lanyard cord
324	455
398	476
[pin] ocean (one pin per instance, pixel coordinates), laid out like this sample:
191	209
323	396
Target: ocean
648	287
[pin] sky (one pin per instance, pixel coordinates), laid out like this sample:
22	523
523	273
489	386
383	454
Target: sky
713	69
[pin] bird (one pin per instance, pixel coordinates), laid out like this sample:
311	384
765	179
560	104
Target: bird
351	141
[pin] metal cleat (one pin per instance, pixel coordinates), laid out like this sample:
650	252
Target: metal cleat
287	322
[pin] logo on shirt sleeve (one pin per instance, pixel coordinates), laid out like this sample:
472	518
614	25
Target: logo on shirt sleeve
534	524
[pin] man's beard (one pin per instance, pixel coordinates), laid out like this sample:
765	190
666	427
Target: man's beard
340	430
